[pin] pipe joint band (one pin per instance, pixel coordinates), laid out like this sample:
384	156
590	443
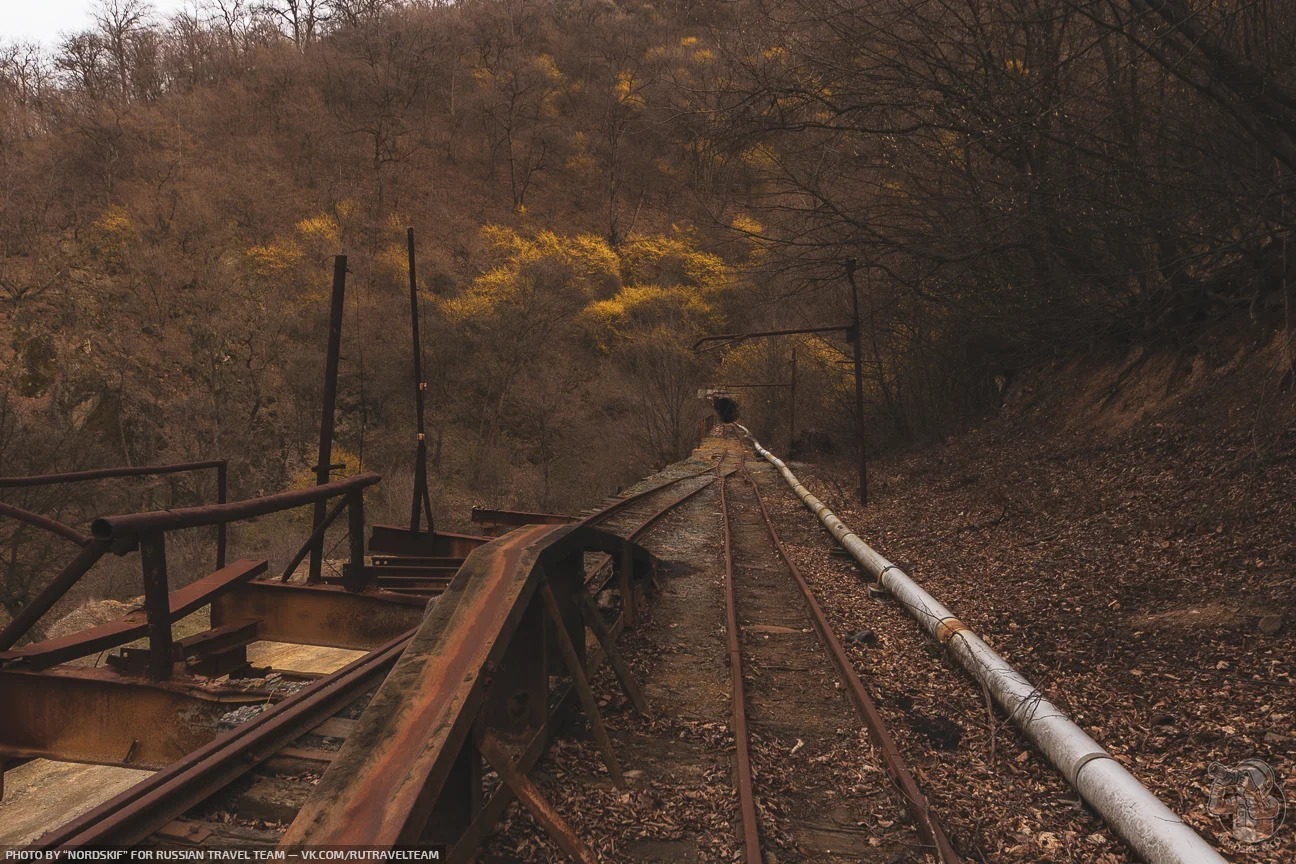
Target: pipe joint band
947	629
894	567
1082	762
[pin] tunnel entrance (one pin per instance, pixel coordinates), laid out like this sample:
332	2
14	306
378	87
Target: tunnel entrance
726	408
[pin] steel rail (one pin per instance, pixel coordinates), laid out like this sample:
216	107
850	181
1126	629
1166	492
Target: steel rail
619	505
915	801
675	502
136	813
738	709
598	578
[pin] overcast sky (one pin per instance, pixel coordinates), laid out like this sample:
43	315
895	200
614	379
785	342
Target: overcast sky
43	20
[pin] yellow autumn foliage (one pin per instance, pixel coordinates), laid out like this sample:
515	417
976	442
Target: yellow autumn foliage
642	307
625	90
583	265
666	260
321	230
649	281
113	232
274	258
546	65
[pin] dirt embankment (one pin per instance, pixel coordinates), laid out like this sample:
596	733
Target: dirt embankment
1124	533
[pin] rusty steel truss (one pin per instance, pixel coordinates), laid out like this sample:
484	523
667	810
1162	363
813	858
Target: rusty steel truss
150	706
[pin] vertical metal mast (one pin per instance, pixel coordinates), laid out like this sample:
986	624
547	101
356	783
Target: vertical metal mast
330	403
422	501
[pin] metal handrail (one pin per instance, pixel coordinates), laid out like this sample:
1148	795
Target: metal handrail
222	491
53	526
132	525
148	531
27	616
106	473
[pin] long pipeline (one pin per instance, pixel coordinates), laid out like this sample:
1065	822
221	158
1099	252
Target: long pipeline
1148	825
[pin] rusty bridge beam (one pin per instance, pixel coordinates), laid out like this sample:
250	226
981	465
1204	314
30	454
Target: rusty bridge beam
51	652
489	516
74	714
27	617
319	614
145	807
469	659
393	540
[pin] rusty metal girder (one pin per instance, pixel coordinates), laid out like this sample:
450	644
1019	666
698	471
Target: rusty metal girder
488	516
397	772
319	614
142	809
94	715
42	655
392	540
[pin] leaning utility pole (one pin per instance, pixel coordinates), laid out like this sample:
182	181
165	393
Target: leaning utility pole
851	264
422	501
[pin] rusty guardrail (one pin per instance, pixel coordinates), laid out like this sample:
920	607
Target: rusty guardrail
147	532
221	467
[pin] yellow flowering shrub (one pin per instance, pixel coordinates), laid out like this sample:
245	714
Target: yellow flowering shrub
113	233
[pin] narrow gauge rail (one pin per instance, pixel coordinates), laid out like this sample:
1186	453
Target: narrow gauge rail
787	701
242	788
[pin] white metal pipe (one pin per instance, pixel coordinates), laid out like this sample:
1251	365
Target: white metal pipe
1149	826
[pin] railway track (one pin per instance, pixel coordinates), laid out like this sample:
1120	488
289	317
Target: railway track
248	786
431	734
795	695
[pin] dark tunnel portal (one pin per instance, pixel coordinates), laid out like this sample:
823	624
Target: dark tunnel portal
725	407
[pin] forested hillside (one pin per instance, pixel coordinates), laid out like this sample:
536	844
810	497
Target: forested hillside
594	185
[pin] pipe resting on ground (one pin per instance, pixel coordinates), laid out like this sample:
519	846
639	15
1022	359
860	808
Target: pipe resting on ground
1150	828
